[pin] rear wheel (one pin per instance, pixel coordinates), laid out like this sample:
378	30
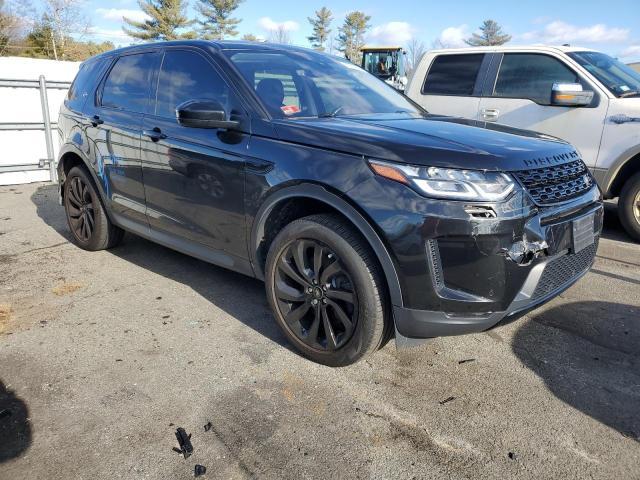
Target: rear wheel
326	291
87	220
629	206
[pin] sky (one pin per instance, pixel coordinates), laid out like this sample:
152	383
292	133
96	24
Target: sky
612	28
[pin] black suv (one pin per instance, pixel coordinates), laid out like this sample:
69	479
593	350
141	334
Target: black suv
364	215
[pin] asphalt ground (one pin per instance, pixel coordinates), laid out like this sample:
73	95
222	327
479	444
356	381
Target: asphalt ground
103	355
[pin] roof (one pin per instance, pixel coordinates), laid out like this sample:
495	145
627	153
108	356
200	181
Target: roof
383	47
517	48
217	44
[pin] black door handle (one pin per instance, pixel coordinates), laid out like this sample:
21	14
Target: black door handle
96	120
155	134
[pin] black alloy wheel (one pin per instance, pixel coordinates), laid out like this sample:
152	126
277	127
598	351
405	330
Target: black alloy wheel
315	295
81	209
89	223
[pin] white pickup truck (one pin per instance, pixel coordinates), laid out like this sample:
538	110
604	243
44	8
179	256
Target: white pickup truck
585	97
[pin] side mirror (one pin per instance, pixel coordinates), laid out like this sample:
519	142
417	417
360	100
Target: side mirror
570	95
204	114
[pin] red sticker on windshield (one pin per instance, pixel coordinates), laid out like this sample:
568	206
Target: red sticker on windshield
290	109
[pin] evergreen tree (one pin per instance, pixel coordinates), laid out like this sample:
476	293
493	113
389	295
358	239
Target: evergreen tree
321	30
168	21
351	38
490	34
217	23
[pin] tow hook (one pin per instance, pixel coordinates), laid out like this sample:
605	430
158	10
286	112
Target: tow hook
524	252
532	245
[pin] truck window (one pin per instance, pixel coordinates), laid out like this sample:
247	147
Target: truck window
531	76
187	76
127	85
453	74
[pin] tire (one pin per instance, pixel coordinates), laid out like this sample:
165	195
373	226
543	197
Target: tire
87	220
629	207
319	269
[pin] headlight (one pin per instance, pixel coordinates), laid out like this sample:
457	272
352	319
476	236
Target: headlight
450	183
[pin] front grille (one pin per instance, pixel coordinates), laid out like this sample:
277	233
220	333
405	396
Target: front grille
561	271
557	183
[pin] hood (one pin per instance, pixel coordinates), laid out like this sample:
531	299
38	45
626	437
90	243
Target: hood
431	141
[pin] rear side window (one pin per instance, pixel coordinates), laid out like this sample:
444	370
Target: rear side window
531	76
127	85
187	76
84	82
453	75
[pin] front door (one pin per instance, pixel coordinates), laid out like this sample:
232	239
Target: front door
115	124
521	96
194	177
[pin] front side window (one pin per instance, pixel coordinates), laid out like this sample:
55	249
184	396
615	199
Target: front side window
127	85
295	84
531	76
184	76
618	78
453	74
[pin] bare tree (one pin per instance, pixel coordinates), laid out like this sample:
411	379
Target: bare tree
65	18
416	50
280	35
440	44
13	25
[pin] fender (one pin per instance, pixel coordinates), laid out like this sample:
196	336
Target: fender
72	148
317	192
607	176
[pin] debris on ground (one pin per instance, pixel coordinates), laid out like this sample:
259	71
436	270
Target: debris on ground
511	455
184	440
466	360
199	470
66	288
208	426
447	400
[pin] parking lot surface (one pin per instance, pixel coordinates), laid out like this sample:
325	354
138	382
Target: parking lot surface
103	355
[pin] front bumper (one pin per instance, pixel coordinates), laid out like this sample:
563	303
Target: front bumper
545	280
519	280
461	271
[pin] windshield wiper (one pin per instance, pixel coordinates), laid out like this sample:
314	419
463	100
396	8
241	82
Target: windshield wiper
632	93
332	113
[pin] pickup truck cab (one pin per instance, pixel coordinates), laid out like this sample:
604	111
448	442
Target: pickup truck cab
583	96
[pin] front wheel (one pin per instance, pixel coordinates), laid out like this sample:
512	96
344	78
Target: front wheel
326	290
629	206
86	217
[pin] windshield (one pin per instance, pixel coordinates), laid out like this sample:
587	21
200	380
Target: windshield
620	79
294	84
383	64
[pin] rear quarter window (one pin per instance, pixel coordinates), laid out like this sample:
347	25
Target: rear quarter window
84	83
453	75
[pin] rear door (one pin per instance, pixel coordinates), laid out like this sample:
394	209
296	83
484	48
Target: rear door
194	177
453	84
115	125
519	95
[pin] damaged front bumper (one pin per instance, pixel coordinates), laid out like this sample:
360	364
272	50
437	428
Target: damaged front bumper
500	268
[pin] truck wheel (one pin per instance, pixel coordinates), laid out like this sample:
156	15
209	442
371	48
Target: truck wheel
629	206
87	220
326	290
